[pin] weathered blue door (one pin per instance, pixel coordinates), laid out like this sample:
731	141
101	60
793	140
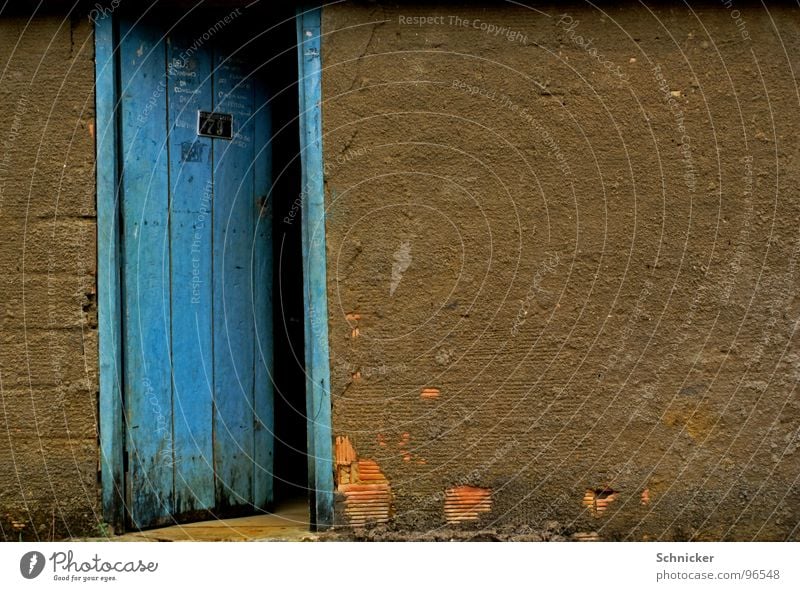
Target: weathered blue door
197	275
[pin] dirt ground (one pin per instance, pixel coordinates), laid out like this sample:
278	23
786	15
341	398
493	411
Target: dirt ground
551	533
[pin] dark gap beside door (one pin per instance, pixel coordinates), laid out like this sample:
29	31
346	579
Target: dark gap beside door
291	462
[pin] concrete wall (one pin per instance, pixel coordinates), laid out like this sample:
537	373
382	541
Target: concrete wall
48	325
580	234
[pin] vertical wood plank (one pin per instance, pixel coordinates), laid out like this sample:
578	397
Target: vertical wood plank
145	251
191	189
108	279
314	267
302	125
263	394
233	231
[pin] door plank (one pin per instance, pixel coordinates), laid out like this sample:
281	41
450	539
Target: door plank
145	252
109	310
191	189
264	424
233	321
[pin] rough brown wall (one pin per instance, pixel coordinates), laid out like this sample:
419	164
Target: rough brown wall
48	336
606	301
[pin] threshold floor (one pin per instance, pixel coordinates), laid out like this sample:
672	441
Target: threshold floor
289	522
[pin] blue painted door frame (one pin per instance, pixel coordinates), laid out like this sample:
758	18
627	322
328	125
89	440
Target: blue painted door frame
315	299
110	295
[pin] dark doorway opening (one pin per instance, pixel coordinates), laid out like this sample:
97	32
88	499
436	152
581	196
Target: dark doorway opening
291	459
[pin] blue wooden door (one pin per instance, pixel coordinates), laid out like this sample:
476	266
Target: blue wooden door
197	277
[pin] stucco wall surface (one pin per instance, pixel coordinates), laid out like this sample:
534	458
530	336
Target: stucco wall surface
562	264
48	335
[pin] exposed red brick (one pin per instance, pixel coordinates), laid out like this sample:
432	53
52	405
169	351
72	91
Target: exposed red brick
597	500
368	496
646	496
429	393
466	503
344	452
368	470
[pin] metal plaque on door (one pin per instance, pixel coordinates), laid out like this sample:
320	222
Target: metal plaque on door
217	125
